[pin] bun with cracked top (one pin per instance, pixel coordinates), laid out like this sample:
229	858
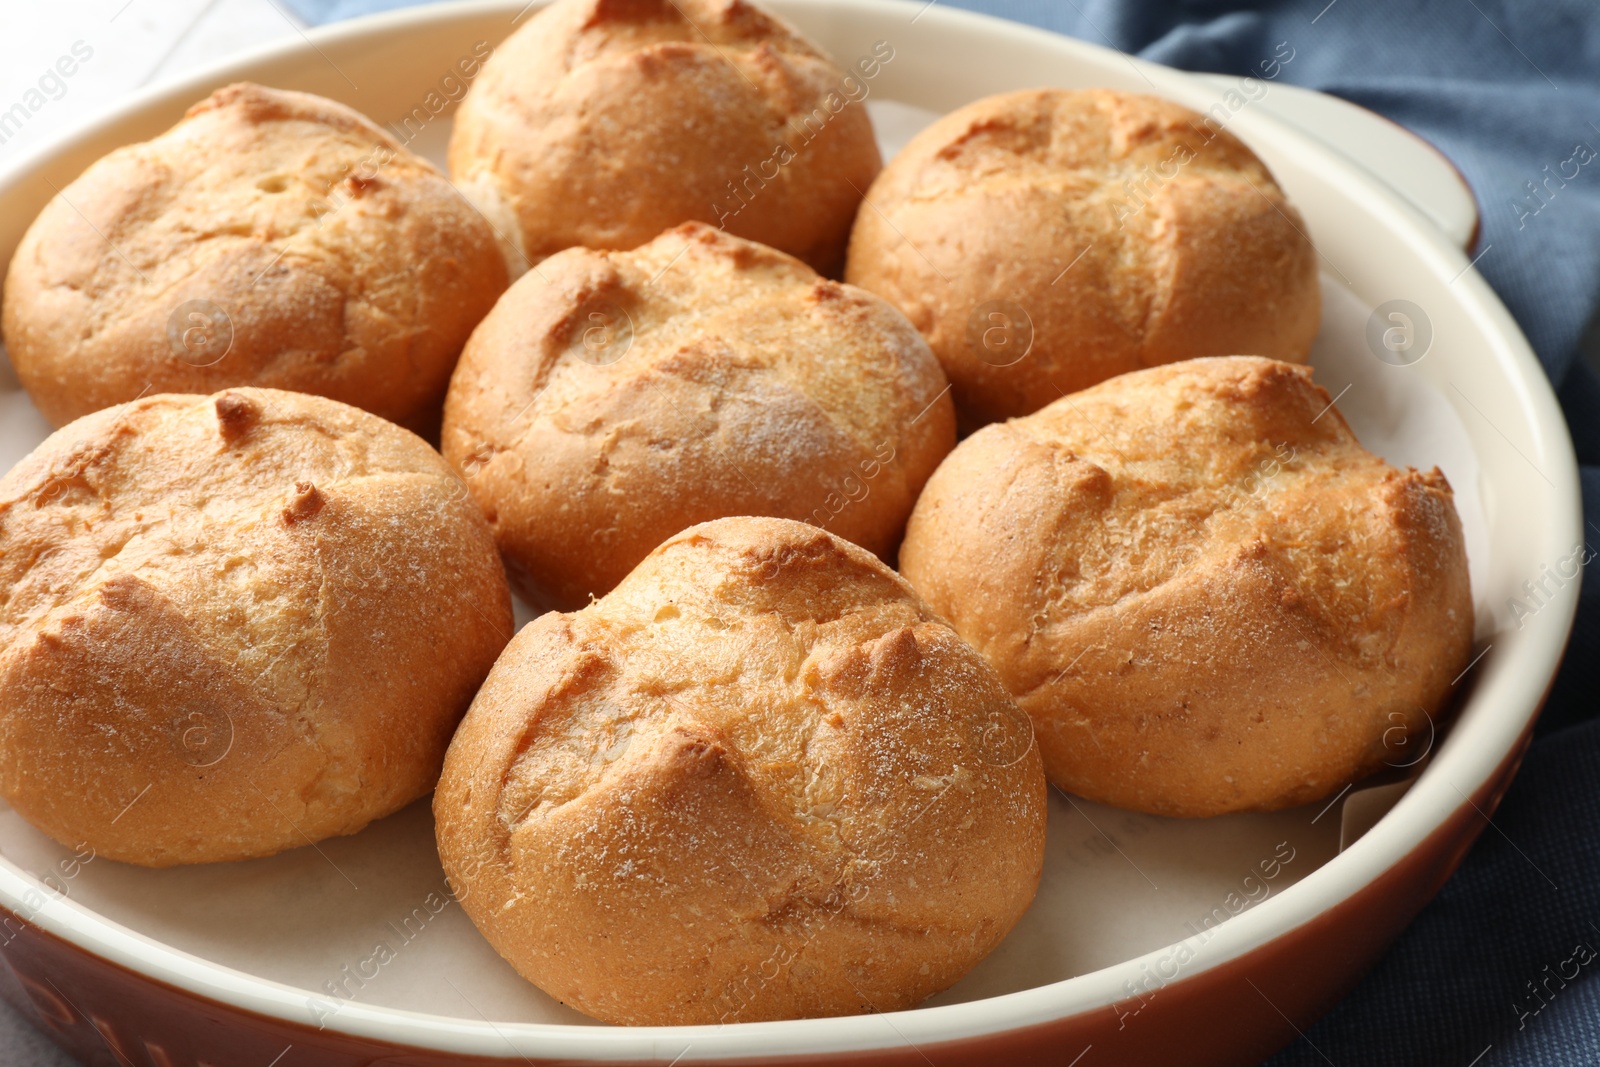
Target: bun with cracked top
272	239
760	779
236	624
603	122
615	398
1048	239
1206	593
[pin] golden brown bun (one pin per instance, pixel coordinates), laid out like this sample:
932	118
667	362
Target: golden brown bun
236	624
615	398
603	122
1209	598
758	780
1188	247
342	265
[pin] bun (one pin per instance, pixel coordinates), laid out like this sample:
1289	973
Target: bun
616	398
270	238
234	625
1046	240
603	122
1206	593
757	780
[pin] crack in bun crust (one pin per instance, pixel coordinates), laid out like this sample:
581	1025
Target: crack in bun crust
742	384
1111	231
232	625
757	780
1206	593
603	122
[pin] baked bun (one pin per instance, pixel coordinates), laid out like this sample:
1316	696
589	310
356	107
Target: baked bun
757	780
603	122
1207	595
232	625
1046	240
616	398
270	238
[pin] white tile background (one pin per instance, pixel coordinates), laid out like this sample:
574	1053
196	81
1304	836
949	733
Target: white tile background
134	43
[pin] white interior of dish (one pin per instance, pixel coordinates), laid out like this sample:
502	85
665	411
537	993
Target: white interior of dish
299	934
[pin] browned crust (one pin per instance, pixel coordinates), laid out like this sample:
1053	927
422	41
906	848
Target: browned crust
235	624
758	780
1208	597
603	122
1059	203
720	378
345	265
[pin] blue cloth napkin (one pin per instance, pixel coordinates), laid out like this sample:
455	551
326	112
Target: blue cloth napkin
1503	967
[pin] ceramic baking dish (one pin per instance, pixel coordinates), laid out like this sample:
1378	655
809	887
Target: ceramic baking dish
1152	940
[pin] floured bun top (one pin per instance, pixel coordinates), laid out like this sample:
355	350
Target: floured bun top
1206	593
236	624
757	780
614	398
603	122
1049	239
271	238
